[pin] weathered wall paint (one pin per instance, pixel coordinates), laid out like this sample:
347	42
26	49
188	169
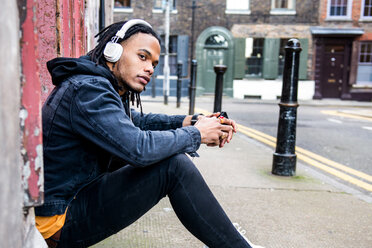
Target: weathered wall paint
71	30
49	29
92	23
42	34
31	110
47	41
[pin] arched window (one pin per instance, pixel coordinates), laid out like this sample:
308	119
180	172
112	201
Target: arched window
216	40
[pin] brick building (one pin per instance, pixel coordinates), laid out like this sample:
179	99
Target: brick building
249	37
343	50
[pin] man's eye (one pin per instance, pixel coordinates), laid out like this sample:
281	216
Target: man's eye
141	56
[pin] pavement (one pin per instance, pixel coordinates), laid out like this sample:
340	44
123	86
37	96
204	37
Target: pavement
304	211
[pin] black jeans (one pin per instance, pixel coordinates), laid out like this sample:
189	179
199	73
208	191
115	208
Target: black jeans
121	197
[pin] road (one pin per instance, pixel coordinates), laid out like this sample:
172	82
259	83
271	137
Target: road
321	130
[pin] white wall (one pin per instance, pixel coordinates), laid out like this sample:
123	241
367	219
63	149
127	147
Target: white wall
11	224
270	89
92	19
91	22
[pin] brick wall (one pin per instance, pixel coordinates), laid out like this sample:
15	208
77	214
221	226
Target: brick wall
271	31
212	13
259	23
355	14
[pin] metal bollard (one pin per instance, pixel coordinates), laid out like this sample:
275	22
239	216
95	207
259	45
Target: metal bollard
284	158
192	87
179	83
153	88
219	70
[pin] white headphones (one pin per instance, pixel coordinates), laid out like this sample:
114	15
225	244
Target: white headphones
113	50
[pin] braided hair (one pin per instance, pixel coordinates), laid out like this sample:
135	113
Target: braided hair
105	35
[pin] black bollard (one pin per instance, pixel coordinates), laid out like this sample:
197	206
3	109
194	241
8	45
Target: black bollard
179	83
284	158
153	88
192	87
219	70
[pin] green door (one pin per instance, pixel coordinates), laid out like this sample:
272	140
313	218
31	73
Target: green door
214	46
213	57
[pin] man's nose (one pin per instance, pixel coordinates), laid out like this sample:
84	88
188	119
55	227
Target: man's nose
149	69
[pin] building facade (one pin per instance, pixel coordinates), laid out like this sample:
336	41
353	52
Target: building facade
343	50
249	37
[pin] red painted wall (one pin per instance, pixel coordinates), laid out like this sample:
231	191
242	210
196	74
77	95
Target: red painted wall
30	110
61	32
71	28
47	41
49	29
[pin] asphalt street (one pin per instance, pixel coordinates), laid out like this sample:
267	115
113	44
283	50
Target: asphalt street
320	130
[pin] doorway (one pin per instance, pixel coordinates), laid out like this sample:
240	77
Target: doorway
332	69
214	46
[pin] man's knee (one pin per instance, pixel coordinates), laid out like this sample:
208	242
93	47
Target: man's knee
181	158
181	164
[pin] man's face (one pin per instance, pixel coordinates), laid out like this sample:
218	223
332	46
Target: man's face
137	63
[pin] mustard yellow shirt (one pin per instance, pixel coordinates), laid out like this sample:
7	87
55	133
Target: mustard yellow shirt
49	225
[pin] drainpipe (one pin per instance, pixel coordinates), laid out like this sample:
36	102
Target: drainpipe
101	14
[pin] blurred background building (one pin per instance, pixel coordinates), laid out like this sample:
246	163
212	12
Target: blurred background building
249	37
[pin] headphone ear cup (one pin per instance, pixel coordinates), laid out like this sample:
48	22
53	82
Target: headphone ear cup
112	52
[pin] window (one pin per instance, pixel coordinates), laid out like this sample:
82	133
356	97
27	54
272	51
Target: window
216	40
339	9
122	6
281	4
159	5
366	9
172	52
364	76
283	7
254	57
237	7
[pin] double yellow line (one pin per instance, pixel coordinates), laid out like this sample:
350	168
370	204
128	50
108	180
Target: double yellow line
343	172
349	115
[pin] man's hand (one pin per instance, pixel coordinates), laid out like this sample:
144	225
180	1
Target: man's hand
215	131
229	129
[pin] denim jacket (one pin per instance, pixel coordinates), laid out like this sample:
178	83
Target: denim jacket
85	126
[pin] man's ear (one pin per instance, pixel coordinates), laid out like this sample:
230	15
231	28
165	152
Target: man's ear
110	65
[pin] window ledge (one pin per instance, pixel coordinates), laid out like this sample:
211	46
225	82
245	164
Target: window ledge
365	19
362	85
123	10
338	18
160	11
171	77
282	12
237	12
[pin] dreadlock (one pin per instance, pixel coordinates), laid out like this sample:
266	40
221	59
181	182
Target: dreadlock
96	54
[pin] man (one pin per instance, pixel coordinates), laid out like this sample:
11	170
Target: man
106	165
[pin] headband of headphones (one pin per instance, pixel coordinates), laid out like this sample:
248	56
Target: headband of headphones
113	50
128	25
